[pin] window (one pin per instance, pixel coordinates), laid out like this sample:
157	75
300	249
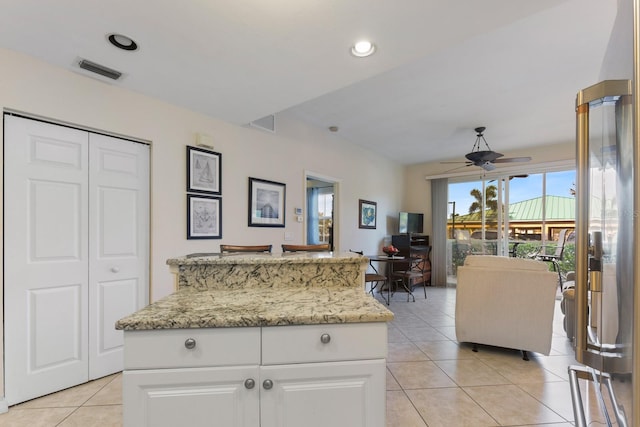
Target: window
325	216
508	215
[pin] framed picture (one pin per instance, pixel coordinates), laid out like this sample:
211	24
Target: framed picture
368	213
266	203
204	217
204	171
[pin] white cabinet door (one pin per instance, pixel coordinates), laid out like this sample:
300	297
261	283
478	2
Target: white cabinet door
195	397
118	244
45	258
336	394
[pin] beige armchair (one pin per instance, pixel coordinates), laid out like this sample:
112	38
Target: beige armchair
505	302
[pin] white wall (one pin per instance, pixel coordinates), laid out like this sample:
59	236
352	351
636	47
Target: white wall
35	88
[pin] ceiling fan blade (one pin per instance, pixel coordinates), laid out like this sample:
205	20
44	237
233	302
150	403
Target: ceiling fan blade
456	168
512	160
458	162
514	176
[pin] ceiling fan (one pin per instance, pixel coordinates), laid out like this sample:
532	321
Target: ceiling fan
487	157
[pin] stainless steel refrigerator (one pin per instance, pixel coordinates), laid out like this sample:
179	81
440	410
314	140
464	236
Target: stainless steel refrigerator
607	242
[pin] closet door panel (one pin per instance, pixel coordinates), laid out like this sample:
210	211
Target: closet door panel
45	258
117	299
76	237
119	242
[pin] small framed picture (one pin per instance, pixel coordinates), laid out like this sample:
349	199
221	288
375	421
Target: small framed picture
204	217
204	171
368	212
266	203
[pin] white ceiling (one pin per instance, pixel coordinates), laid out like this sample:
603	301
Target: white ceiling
441	68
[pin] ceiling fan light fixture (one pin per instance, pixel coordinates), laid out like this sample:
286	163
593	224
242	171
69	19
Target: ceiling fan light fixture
363	48
488	166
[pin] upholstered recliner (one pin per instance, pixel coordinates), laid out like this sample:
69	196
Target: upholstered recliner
505	302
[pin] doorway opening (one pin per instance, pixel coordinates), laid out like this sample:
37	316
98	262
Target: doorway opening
321	219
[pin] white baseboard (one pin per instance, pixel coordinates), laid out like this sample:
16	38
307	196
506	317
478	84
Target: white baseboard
4	406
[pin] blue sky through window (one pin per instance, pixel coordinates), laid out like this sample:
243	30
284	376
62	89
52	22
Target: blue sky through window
520	189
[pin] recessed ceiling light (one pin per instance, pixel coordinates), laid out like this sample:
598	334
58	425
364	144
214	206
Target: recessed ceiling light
363	48
122	42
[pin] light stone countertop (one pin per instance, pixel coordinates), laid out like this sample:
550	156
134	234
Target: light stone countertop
286	270
257	306
290	258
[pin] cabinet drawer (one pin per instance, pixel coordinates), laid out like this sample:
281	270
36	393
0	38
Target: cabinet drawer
168	348
305	343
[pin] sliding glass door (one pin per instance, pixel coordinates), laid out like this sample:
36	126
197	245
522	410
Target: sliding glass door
510	215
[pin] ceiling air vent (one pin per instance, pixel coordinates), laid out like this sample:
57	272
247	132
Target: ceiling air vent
99	69
267	123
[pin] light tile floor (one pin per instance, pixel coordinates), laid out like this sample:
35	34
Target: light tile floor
431	380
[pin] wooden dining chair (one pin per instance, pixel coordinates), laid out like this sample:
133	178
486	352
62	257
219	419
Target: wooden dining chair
244	248
306	248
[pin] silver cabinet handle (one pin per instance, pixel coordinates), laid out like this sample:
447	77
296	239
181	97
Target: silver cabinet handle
249	383
325	338
115	270
190	343
267	384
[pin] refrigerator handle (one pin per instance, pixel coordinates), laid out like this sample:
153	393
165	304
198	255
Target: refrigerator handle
581	229
577	372
576	396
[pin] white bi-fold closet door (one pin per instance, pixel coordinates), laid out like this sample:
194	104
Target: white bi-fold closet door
76	257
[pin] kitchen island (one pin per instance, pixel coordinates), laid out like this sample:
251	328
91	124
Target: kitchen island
259	340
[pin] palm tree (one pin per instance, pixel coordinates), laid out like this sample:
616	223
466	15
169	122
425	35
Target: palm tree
490	199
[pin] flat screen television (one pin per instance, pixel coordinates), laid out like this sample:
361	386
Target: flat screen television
410	223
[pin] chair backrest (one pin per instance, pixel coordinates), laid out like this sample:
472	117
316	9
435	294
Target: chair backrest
462	235
562	237
244	248
420	259
306	248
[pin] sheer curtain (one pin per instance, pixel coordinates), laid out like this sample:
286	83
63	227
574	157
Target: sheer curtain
439	190
313	234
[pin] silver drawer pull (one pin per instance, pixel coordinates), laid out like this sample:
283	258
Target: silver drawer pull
190	343
267	384
249	383
325	338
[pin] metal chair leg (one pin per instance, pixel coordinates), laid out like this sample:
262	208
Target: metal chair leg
556	267
407	287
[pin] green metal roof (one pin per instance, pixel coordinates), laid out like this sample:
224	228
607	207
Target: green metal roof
558	208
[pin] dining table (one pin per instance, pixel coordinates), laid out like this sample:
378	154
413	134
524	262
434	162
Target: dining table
390	260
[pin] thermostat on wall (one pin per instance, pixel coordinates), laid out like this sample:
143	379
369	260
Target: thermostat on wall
298	211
